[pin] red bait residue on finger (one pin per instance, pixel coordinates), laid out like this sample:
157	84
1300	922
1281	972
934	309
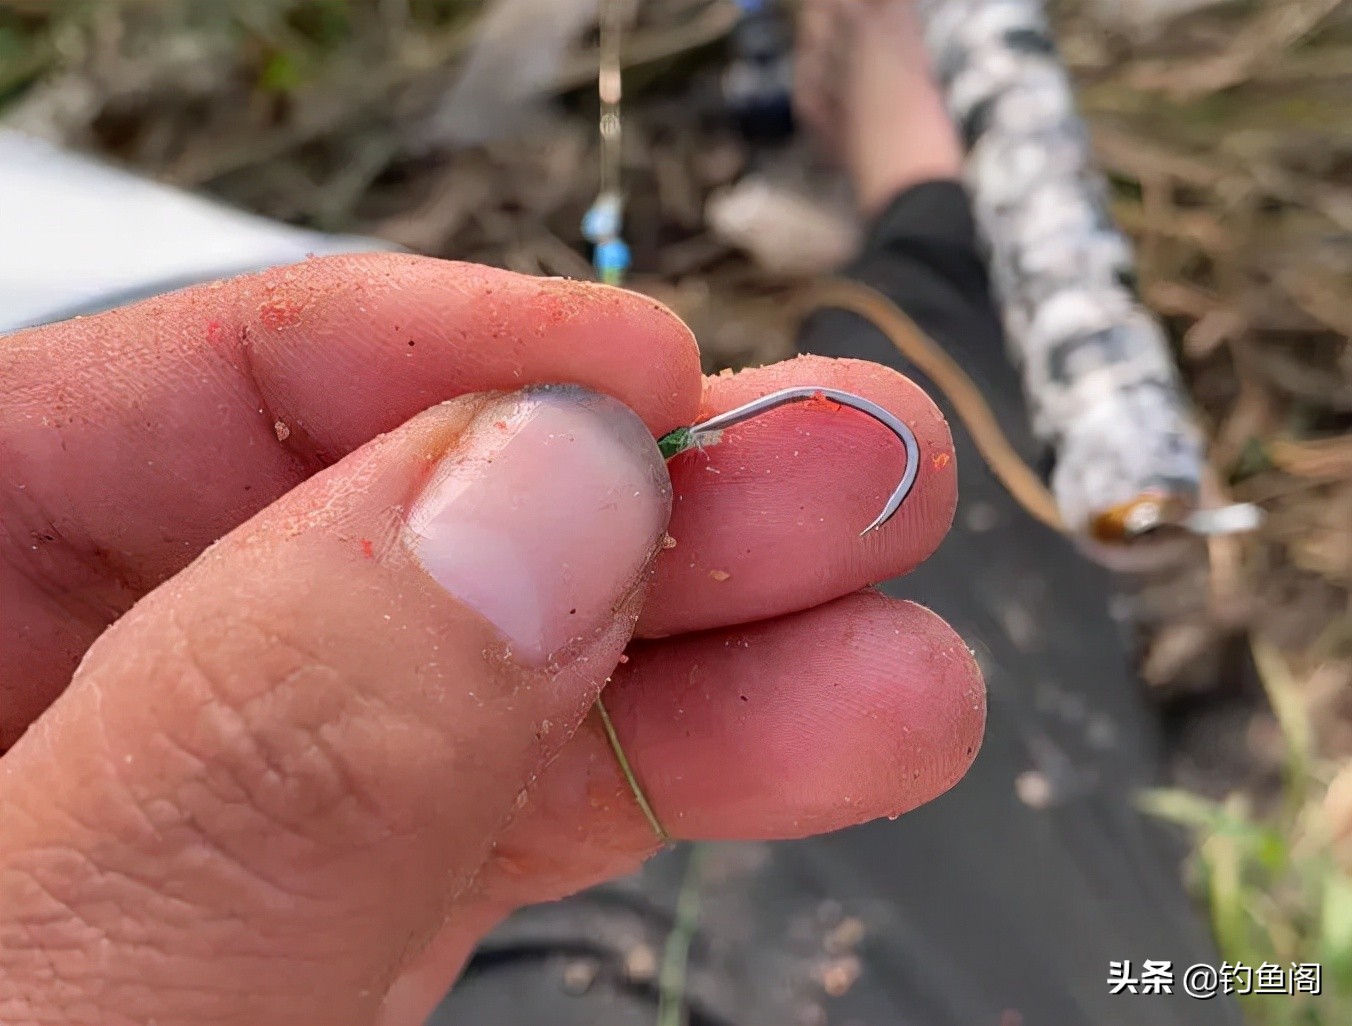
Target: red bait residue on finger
820	402
277	314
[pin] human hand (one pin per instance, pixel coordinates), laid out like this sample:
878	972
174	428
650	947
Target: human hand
326	644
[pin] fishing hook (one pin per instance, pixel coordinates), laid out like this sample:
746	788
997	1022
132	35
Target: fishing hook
708	432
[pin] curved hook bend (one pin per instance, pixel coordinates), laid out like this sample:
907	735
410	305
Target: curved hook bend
710	429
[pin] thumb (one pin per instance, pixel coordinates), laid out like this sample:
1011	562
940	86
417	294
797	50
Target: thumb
270	779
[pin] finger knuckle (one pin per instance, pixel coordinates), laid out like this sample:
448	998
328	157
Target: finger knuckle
272	733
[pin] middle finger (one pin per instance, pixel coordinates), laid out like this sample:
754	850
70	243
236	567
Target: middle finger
768	521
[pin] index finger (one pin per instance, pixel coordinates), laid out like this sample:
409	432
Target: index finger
768	521
132	440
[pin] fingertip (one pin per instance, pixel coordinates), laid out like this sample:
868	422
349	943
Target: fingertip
951	687
862	708
920	526
768	521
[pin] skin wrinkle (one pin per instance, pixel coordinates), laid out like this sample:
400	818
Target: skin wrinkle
241	798
36	564
303	451
238	734
70	816
70	924
152	887
197	842
17	687
130	993
200	838
166	945
152	828
45	954
84	542
67	913
109	933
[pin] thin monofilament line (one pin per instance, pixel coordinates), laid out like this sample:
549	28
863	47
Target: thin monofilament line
609	90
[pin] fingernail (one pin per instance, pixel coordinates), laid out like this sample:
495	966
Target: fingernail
545	514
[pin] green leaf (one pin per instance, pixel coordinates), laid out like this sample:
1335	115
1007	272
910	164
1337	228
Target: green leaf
281	74
1335	914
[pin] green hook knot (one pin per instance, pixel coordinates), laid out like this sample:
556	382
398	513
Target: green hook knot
676	442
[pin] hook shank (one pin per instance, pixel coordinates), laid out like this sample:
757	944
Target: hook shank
784	397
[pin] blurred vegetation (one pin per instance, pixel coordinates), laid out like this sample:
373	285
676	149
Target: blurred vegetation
1277	886
1226	133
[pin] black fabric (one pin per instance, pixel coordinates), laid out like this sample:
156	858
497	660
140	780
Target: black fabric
1000	903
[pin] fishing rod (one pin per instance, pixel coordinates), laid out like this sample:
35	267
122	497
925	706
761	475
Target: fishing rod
1100	379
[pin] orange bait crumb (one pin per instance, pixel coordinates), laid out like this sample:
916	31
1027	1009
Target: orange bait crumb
940	461
279	313
820	402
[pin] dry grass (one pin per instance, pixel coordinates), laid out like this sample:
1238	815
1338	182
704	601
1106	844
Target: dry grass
1231	145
